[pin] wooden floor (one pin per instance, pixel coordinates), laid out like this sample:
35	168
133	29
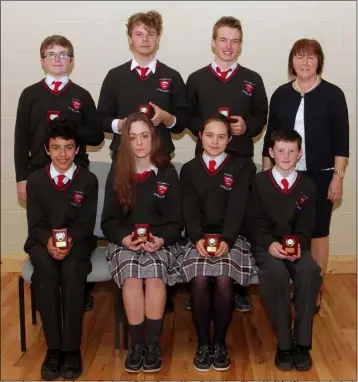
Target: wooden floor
250	339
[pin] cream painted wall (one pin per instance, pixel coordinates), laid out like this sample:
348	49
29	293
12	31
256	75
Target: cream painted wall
97	30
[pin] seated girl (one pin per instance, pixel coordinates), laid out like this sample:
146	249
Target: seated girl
215	189
141	219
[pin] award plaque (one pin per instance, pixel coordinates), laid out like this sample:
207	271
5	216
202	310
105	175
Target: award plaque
146	109
141	232
60	238
212	242
290	245
225	112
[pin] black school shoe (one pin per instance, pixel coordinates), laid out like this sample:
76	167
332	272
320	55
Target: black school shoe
72	364
284	359
152	359
202	359
134	359
220	357
302	358
51	366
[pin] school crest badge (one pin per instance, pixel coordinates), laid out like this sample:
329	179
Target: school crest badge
300	202
162	188
248	88
164	84
78	197
228	180
76	104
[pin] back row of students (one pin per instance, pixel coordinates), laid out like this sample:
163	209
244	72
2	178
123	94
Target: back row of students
224	87
212	200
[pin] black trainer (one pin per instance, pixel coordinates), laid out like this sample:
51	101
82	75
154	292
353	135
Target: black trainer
220	357
284	359
152	359
134	359
51	366
202	359
72	365
302	358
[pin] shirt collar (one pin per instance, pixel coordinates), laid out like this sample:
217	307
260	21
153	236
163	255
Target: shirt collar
152	65
219	159
152	167
278	177
49	79
69	173
214	65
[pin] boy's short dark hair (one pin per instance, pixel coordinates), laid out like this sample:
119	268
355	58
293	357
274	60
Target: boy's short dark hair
50	41
62	129
285	136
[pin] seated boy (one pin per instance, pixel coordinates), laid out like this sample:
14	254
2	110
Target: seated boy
280	219
62	197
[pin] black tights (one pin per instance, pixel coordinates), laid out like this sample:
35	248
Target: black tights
212	297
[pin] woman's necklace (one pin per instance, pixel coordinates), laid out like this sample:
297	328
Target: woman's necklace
303	93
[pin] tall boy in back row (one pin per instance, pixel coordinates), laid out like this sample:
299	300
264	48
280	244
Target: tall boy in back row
280	220
144	80
226	87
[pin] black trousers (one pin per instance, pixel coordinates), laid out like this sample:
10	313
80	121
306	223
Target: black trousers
274	283
59	287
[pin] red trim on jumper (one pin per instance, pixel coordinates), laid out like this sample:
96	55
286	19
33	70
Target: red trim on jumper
148	75
143	178
60	91
228	78
218	169
278	186
54	185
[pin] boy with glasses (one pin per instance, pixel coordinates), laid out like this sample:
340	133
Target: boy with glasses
55	96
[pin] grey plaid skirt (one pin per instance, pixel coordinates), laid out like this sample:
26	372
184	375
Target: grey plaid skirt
239	264
124	263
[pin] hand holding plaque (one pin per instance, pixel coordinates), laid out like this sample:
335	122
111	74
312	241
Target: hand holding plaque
211	243
60	238
141	232
225	111
146	109
290	244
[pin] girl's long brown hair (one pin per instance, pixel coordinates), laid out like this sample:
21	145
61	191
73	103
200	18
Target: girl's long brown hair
125	177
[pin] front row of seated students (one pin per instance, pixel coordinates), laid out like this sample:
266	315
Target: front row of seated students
213	196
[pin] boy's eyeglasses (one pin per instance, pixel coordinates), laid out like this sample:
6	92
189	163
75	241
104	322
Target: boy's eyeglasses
53	56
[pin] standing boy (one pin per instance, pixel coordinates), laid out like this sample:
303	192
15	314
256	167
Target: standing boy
55	96
280	218
61	215
225	87
141	82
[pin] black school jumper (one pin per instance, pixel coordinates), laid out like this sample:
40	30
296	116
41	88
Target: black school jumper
216	203
73	207
157	203
38	104
271	214
124	90
243	92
